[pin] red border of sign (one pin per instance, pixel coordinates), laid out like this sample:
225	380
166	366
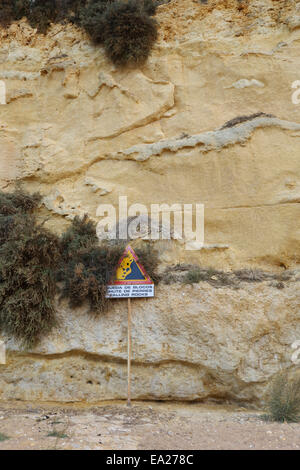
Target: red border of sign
131	282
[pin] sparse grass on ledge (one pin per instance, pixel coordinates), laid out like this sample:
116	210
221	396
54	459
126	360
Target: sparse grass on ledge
197	275
3	437
193	274
58	434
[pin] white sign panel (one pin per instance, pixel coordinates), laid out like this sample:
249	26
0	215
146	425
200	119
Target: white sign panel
2	353
125	291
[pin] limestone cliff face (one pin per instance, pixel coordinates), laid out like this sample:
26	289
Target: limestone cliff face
84	133
188	343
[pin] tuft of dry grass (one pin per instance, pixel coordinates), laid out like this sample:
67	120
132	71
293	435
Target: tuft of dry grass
284	402
3	437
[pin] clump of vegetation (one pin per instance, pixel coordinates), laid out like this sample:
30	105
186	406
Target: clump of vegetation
284	402
86	274
148	257
150	6
58	434
213	276
196	275
6	12
40	13
86	267
28	257
3	437
251	275
124	27
81	235
193	274
35	265
91	19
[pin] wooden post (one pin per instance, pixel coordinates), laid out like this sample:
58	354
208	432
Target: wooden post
129	354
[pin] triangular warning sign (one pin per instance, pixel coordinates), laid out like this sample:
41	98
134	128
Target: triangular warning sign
131	279
130	271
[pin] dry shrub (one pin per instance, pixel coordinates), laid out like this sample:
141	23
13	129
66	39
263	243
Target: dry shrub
88	266
33	260
28	257
284	402
85	276
197	274
125	29
148	257
80	235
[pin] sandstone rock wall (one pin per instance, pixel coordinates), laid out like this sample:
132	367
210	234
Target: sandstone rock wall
189	343
84	133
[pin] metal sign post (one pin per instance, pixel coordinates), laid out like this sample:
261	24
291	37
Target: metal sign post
129	354
130	281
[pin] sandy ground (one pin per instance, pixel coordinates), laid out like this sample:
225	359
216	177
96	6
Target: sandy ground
146	425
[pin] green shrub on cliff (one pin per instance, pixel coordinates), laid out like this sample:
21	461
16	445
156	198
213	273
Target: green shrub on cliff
36	265
85	276
128	33
124	27
81	235
28	257
40	13
91	19
86	267
148	257
3	437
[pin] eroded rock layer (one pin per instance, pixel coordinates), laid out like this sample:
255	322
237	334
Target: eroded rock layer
208	119
189	343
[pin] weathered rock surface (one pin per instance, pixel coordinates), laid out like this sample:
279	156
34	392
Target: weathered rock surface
188	343
84	133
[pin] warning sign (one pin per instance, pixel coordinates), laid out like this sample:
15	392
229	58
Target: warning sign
131	279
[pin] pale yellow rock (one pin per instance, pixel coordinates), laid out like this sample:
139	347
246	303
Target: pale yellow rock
189	342
83	133
79	120
2	353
